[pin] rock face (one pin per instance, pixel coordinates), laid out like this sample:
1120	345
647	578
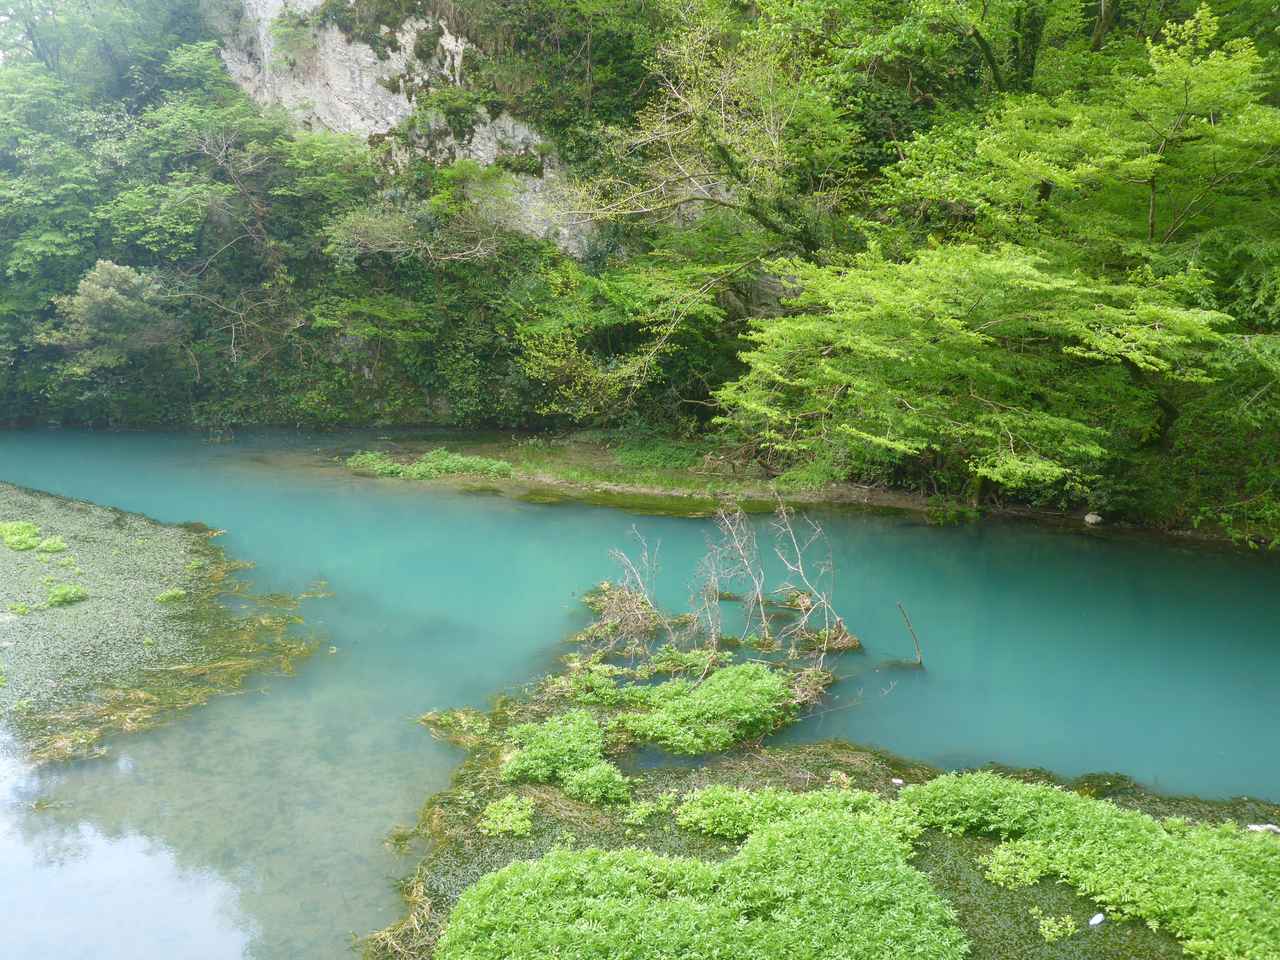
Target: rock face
324	82
329	83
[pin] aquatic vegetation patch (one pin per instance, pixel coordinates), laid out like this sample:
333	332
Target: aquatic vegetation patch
19	534
568	749
65	594
122	662
1215	887
510	816
733	704
433	465
51	545
733	812
797	889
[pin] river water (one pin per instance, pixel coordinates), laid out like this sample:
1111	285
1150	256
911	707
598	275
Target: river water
252	827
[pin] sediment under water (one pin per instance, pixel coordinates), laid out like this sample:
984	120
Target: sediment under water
252	827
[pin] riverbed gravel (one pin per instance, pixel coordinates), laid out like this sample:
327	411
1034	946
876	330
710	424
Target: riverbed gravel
53	657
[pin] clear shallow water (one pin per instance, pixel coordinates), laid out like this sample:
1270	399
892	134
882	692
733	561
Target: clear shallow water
252	828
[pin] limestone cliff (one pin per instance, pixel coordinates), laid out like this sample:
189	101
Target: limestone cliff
280	57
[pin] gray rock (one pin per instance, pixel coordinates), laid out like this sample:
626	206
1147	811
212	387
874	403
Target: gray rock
1263	828
1092	519
1097	919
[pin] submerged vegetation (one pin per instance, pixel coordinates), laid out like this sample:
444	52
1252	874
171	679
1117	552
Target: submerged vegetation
142	630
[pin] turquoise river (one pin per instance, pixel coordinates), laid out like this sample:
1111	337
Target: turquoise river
253	827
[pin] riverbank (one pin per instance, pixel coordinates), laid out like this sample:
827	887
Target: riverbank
688	478
684	847
110	621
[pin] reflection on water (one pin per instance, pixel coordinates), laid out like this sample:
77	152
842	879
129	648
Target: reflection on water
252	827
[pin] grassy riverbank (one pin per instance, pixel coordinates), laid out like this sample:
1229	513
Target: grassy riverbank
651	475
683	478
109	621
625	806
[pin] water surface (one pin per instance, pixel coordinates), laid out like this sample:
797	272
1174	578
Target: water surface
251	829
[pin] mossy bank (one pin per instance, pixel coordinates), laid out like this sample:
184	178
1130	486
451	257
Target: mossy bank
109	621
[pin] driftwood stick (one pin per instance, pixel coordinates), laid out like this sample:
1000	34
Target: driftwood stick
911	630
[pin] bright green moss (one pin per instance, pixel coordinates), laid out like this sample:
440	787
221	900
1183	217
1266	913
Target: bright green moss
20	534
65	594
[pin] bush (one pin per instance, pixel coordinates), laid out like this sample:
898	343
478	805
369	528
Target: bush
1214	887
172	595
826	884
731	705
554	748
597	784
20	535
510	816
65	594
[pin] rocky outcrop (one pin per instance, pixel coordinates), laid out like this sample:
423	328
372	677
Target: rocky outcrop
281	57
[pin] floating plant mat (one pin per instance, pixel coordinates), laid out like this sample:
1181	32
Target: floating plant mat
110	621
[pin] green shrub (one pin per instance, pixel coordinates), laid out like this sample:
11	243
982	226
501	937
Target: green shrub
731	705
510	816
598	784
733	813
65	594
51	545
20	534
20	609
172	595
558	746
823	885
1214	887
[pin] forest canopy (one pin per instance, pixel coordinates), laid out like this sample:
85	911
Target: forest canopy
1009	249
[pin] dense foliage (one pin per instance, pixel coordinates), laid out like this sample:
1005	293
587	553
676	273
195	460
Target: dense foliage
1019	249
797	888
1215	887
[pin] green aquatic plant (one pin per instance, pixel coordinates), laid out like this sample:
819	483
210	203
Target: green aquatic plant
550	750
20	534
172	595
434	465
599	784
510	816
65	594
1214	887
731	705
51	545
374	464
1053	929
796	889
734	812
20	609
